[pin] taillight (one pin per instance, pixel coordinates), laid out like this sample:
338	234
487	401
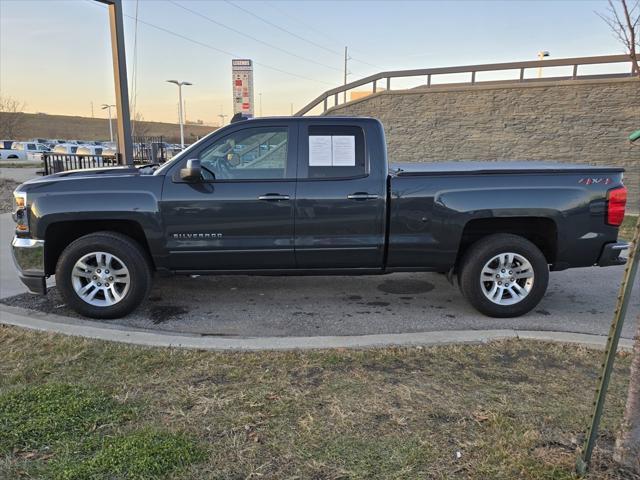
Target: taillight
616	203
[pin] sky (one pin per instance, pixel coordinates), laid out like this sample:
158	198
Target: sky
55	56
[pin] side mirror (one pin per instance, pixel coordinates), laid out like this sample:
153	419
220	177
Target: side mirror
192	172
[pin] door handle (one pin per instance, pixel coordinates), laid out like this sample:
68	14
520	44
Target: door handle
362	196
273	197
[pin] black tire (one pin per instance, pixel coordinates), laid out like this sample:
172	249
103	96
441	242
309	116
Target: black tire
484	250
128	251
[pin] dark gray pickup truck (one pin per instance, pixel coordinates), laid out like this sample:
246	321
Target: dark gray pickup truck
299	196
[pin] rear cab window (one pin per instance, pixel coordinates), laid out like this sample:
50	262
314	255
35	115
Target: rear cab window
333	152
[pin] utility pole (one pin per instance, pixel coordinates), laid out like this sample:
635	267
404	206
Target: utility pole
116	25
346	59
222	117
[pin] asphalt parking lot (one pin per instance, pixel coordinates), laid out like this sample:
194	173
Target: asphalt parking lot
579	300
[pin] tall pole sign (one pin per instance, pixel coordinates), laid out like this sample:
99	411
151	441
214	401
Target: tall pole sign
123	124
242	77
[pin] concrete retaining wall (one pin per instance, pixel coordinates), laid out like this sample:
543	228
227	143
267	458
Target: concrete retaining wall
583	121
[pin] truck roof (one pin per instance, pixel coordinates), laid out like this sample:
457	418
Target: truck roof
307	118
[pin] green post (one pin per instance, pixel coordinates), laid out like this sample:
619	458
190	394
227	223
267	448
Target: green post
584	457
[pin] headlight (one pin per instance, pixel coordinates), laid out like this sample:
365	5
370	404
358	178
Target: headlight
20	213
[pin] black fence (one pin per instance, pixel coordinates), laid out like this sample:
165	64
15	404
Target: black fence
146	150
149	150
61	162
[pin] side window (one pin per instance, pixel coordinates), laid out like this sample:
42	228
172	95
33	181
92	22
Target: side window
336	152
31	146
248	154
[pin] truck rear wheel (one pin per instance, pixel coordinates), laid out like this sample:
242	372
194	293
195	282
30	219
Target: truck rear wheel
103	275
504	275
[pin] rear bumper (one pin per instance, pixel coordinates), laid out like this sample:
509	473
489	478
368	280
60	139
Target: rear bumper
611	254
28	256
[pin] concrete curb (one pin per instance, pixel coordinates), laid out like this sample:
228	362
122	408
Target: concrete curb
116	333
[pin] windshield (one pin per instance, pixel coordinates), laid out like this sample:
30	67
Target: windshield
177	157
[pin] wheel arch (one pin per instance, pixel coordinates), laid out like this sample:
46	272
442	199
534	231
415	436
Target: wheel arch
541	231
59	235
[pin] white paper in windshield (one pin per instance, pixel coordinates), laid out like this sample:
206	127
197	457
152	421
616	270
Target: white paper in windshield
344	151
320	151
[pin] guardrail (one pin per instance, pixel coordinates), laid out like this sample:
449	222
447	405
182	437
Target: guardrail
429	73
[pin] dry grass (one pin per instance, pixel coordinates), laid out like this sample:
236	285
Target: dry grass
627	227
84	128
511	409
7	187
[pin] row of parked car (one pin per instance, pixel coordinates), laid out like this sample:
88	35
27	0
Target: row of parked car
32	150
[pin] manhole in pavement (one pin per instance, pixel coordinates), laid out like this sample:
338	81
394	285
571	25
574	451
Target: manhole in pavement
403	287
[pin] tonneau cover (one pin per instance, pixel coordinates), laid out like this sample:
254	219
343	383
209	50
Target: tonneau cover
467	167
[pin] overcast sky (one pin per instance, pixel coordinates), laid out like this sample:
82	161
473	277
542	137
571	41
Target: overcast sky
55	55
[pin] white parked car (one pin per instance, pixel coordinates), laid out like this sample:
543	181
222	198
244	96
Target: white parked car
6	152
65	148
97	150
31	151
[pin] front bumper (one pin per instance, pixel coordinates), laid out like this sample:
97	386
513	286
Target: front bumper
28	256
611	254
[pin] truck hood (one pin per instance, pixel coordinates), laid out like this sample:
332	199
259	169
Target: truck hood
76	176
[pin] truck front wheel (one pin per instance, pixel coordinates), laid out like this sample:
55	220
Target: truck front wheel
504	275
103	275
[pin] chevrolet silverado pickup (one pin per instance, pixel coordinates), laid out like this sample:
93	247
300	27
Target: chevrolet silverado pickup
301	196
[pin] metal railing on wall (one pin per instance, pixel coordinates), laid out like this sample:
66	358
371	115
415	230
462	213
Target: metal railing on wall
429	73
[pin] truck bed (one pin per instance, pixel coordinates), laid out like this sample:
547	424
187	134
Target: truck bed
502	167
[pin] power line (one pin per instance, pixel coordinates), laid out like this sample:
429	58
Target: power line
249	12
219	50
282	11
311	27
239	32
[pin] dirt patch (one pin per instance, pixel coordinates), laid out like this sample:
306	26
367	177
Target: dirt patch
162	313
7	187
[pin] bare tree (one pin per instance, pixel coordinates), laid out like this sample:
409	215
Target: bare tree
624	21
11	117
139	127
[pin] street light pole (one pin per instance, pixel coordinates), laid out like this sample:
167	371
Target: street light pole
541	55
108	108
180	84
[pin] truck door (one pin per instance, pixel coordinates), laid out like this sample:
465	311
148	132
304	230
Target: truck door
340	200
240	216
